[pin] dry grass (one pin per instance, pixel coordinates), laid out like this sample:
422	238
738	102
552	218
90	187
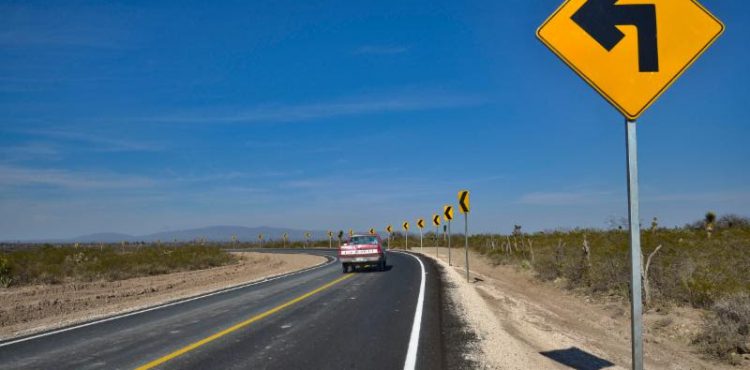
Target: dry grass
689	269
706	270
50	264
727	329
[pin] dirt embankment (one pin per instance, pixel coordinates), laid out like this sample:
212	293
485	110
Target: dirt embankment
29	309
523	323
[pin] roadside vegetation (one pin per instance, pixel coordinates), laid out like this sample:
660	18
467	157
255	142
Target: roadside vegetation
704	265
694	266
48	264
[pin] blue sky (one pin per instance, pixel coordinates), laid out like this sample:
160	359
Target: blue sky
139	117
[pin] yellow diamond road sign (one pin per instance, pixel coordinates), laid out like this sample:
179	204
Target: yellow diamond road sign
630	51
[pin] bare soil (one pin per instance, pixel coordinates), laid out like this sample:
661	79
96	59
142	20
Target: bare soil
523	323
30	309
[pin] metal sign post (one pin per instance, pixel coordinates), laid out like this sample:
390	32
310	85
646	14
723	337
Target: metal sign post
437	242
420	225
448	214
421	245
436	222
389	229
466	243
449	242
636	304
405	225
464	206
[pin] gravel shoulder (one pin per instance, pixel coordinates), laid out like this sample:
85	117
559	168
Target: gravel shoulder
522	323
31	309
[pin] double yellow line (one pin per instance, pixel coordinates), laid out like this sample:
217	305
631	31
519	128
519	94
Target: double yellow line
238	326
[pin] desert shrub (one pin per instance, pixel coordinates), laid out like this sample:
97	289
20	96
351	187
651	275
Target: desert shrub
548	268
6	275
727	328
690	268
52	265
730	221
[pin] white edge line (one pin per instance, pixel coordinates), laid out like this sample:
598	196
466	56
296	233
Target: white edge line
411	354
165	305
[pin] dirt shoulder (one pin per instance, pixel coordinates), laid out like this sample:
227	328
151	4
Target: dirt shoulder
523	323
30	309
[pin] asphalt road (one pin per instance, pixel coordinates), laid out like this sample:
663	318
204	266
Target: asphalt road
318	319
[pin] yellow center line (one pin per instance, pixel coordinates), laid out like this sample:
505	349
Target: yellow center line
238	326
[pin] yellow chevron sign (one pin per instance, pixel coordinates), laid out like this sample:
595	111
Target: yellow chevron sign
463	201
448	213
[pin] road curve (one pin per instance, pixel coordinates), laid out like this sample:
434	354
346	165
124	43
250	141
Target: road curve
318	319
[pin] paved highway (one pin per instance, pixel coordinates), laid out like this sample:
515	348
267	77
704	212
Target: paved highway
316	319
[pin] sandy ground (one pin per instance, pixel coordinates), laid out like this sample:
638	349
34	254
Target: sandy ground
30	309
526	324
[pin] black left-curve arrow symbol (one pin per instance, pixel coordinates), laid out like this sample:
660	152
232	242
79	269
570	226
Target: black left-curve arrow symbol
599	18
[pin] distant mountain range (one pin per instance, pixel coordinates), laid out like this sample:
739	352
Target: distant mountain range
212	233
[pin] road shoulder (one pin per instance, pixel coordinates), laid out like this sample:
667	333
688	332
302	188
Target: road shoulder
486	342
571	329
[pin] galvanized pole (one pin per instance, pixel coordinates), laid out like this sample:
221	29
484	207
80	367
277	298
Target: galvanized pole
449	242
330	242
421	243
437	242
466	243
406	236
636	304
